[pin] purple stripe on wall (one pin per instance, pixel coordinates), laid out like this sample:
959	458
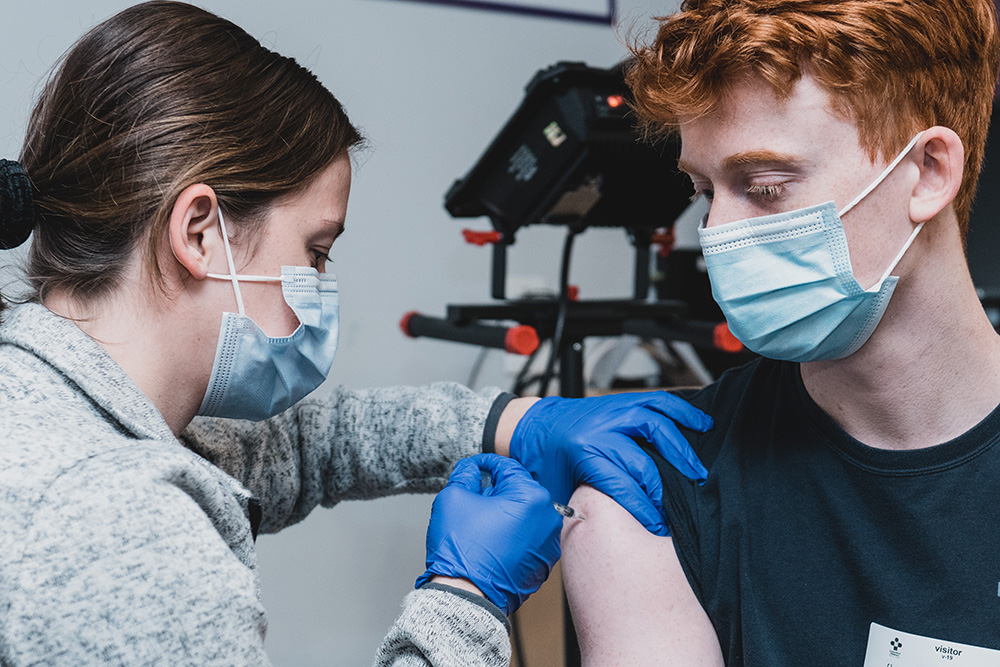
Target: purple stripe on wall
543	12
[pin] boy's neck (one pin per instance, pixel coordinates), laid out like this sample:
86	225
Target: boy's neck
931	370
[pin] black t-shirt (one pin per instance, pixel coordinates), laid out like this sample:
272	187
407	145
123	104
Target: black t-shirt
802	536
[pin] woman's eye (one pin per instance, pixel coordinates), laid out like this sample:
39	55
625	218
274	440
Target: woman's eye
320	258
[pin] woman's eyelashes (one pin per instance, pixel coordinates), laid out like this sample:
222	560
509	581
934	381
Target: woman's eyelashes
320	258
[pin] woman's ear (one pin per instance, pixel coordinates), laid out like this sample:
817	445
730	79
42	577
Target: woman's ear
192	221
941	160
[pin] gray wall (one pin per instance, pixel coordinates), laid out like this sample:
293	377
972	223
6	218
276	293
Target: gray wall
430	86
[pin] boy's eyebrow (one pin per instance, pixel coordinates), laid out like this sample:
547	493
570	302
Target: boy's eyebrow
760	157
749	158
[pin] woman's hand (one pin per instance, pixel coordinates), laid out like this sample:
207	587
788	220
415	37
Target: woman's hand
503	538
568	442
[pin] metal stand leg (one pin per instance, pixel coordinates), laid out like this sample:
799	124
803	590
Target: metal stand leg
571	386
641	239
571	369
499	286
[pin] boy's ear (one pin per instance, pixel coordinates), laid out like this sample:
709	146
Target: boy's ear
192	229
940	156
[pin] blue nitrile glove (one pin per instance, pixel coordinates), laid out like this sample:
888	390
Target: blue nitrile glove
504	538
567	442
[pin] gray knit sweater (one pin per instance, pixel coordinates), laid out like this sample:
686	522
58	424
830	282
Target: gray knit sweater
122	545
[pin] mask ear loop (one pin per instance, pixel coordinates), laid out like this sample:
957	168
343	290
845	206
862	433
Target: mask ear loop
867	191
899	255
234	277
232	265
882	176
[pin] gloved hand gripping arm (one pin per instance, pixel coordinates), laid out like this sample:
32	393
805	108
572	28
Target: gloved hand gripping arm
564	443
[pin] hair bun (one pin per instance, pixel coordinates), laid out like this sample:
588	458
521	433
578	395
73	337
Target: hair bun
17	207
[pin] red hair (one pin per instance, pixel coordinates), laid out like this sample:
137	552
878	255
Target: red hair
893	67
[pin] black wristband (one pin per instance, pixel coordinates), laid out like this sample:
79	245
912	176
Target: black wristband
493	419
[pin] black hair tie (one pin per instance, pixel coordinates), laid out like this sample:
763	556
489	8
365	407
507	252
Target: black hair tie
17	207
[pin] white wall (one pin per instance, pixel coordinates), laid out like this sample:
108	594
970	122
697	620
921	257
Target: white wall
430	86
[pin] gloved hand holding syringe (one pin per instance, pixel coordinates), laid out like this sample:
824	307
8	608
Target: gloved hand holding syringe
565	510
496	527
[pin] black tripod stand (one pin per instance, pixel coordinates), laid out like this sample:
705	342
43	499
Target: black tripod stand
567	323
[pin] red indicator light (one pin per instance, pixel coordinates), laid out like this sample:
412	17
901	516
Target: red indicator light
481	238
615	101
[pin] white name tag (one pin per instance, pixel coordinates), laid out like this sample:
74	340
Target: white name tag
892	648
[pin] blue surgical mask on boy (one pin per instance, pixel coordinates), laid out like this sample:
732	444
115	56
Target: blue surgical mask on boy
256	376
785	282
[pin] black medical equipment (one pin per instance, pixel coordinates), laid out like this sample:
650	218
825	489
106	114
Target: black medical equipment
570	156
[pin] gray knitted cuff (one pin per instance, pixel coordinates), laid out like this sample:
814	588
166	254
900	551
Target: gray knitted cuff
472	597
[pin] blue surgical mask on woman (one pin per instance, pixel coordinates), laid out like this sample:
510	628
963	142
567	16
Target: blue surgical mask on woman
256	376
786	285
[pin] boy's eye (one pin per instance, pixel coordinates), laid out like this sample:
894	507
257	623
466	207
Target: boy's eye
767	193
704	192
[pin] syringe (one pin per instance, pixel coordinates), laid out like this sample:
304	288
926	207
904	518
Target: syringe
568	512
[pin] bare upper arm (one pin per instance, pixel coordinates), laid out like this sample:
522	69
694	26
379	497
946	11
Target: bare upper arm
630	600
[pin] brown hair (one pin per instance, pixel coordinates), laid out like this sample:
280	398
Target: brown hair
159	97
894	67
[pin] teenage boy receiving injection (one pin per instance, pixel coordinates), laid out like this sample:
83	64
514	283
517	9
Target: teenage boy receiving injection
849	517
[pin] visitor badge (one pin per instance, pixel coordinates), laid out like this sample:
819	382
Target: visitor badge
893	648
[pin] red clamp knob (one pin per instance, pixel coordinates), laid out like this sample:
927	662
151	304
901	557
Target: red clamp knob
521	340
665	239
404	323
481	238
